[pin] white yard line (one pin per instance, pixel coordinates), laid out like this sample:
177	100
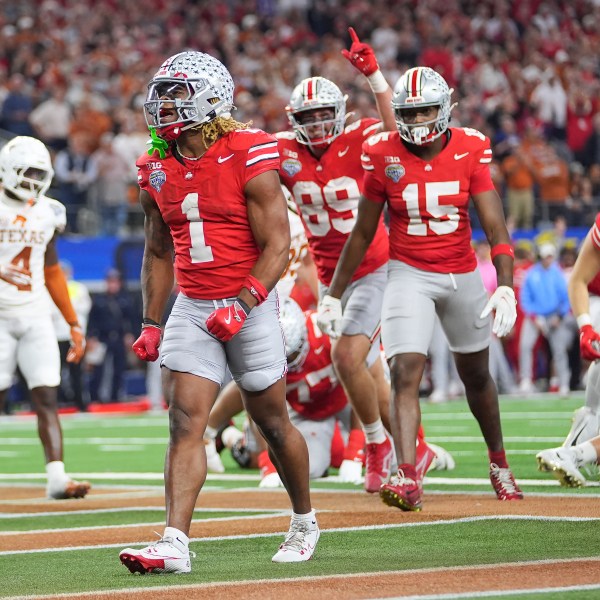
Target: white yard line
223	585
387	526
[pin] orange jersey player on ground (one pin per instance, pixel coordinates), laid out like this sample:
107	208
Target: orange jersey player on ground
427	173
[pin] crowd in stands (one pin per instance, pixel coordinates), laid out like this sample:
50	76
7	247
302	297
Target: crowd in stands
527	74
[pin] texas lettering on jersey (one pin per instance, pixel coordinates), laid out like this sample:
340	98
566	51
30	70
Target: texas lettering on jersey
428	201
327	191
313	390
204	205
25	231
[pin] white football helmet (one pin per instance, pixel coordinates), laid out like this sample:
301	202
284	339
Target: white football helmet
422	86
26	168
208	93
295	333
313	93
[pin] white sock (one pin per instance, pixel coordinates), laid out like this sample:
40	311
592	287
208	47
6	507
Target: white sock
180	540
55	470
309	518
374	432
586	454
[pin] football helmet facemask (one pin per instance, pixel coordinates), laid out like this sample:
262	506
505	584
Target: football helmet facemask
311	94
295	334
25	168
194	86
420	87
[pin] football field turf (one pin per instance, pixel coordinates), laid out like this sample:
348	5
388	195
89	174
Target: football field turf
367	550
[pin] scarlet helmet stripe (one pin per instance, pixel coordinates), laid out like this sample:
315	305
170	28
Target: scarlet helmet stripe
310	89
415	82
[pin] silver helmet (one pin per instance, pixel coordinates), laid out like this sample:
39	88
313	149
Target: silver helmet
195	85
26	168
417	87
314	93
293	324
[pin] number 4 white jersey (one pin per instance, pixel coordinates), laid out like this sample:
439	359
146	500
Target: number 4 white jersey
428	201
25	232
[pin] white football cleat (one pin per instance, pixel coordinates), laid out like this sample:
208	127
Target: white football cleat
562	463
443	460
62	490
161	557
300	542
271	480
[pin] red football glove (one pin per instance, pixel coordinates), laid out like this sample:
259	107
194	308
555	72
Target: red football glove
361	55
146	346
225	322
589	342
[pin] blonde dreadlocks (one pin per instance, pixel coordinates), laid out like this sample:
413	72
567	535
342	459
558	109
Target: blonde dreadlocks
219	127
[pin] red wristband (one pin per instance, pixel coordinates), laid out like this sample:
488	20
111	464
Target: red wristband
502	249
256	288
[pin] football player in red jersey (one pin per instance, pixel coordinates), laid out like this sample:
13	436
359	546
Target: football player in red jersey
320	166
215	216
427	172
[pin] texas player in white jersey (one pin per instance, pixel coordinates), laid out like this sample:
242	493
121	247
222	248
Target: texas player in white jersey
320	166
427	173
29	269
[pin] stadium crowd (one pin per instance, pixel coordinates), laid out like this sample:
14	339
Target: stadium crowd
526	73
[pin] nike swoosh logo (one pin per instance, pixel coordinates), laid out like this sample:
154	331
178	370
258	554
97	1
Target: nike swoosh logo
459	156
343	152
227	319
222	159
319	350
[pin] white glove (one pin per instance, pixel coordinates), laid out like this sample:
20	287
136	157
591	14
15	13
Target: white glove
329	316
503	301
351	471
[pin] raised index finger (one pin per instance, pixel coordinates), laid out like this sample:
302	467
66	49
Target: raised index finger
353	35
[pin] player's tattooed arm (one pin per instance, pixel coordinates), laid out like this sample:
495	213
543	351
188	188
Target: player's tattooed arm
157	264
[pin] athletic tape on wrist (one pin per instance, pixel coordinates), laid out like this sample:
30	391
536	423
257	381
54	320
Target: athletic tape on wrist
377	82
583	320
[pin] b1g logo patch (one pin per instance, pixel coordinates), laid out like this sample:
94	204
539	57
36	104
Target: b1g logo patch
157	179
291	167
395	172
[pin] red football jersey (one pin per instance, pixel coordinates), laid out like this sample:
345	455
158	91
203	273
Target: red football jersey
313	390
428	201
327	191
204	205
594	284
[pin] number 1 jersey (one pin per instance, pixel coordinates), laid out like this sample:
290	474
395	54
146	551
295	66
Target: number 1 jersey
204	204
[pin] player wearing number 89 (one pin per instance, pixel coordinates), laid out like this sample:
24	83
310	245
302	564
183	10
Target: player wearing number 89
320	166
213	204
427	172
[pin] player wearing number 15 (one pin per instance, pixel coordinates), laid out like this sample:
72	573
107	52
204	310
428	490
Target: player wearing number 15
427	172
213	203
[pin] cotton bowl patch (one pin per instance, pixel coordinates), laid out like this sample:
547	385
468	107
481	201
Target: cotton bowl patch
395	172
157	179
291	167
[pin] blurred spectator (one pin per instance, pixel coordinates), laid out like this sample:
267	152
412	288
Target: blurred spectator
549	100
580	112
51	119
73	389
75	171
519	178
110	335
17	106
108	193
90	121
591	152
546	306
